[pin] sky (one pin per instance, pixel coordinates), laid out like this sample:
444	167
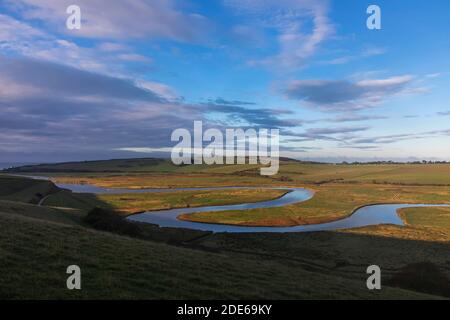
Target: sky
139	69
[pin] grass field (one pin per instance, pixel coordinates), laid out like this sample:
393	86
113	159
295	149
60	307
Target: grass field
330	202
339	188
36	254
166	180
429	217
138	202
138	173
39	242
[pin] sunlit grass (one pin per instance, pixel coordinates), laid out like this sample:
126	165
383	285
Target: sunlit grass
138	202
428	217
330	202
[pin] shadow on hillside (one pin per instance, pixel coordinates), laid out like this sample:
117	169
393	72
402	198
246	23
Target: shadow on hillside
25	190
416	265
422	277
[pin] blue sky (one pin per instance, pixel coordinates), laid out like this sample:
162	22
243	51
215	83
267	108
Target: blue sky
138	69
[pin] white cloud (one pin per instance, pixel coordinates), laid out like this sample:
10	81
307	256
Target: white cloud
385	83
11	90
160	89
373	51
12	30
289	19
123	19
367	52
25	40
112	47
133	57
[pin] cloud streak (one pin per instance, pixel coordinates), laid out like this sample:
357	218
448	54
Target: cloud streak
238	113
23	39
336	134
344	95
119	19
54	79
289	19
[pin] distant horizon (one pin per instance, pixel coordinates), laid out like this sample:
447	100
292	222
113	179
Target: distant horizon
12	164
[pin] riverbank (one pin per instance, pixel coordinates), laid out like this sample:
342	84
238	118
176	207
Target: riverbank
365	215
130	203
331	202
332	205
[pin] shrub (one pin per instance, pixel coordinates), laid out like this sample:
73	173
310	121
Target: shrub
423	277
107	220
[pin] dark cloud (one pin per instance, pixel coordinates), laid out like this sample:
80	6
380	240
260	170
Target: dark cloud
388	139
355	118
342	95
325	134
222	101
49	108
361	147
331	131
262	117
324	92
67	81
444	113
385	139
298	148
411	116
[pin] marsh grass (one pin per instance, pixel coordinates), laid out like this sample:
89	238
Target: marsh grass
137	202
330	202
429	217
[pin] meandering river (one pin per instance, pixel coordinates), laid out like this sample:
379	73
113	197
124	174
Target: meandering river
364	216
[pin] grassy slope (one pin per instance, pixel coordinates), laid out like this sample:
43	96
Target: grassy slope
125	166
67	216
23	189
37	252
345	251
84	202
99	166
